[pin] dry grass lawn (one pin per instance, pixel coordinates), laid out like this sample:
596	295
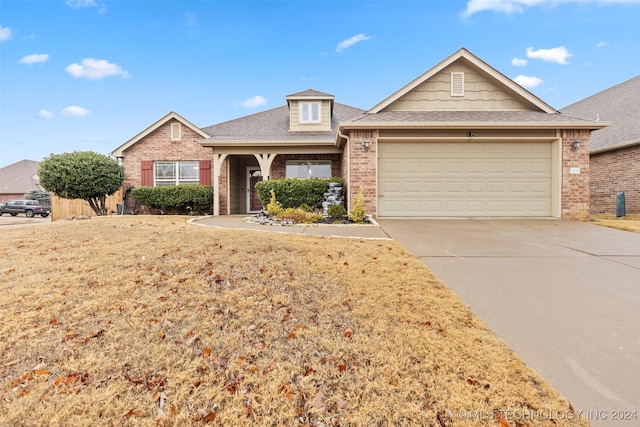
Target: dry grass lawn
627	223
152	321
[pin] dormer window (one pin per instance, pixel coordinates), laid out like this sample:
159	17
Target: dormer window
310	112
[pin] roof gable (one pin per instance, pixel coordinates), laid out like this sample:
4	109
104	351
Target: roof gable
488	89
170	116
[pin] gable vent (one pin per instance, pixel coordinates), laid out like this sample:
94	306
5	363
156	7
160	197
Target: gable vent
457	84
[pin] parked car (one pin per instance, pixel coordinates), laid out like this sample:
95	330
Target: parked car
28	207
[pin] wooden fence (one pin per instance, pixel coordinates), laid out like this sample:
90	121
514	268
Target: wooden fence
63	208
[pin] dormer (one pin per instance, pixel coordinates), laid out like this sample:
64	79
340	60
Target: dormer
310	111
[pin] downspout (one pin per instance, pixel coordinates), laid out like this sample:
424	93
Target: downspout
348	148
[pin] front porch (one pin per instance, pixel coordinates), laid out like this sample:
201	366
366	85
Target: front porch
235	175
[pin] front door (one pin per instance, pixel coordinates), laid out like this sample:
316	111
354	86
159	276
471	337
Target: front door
254	176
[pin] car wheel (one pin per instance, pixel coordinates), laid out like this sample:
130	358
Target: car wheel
1	213
29	213
44	215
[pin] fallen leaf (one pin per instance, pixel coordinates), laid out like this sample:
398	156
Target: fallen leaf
318	403
206	351
347	333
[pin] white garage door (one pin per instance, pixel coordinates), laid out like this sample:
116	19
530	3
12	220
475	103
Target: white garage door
431	179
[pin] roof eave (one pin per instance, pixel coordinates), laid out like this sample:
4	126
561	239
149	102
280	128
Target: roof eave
614	147
474	125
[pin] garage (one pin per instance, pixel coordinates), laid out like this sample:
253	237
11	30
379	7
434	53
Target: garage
465	179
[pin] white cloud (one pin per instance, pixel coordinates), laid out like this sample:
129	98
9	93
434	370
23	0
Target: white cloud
80	4
350	42
518	62
518	6
44	114
527	81
74	111
256	101
602	44
5	33
96	69
556	54
34	58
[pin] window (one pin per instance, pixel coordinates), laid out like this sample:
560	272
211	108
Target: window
304	169
176	132
175	173
310	112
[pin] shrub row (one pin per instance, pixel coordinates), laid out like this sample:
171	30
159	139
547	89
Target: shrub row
293	192
176	199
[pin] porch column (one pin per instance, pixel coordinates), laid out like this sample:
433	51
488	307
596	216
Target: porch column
265	160
218	159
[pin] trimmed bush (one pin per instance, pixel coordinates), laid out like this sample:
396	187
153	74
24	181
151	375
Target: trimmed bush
293	192
299	216
176	199
337	212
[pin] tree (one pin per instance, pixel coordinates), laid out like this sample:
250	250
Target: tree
42	196
82	175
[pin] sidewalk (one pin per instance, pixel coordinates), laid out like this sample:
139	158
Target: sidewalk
236	222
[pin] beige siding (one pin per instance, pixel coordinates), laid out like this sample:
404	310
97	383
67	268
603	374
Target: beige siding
480	93
295	124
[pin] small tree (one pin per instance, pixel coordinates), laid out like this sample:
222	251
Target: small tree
82	175
42	196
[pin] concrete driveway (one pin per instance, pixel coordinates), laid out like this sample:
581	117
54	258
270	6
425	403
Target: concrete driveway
564	295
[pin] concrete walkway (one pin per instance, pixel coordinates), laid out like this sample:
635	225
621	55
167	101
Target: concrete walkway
564	295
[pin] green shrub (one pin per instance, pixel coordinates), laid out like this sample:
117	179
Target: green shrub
176	199
337	211
293	192
299	216
274	207
357	212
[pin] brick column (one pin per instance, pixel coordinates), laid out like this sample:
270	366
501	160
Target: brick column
575	175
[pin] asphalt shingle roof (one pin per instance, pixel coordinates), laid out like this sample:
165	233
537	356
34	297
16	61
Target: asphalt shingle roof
273	125
19	177
445	117
619	105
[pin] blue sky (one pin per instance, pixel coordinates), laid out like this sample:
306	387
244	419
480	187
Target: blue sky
81	75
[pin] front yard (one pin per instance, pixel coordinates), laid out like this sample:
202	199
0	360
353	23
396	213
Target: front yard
627	223
151	321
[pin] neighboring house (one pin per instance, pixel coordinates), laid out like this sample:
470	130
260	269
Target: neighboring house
461	140
17	179
615	150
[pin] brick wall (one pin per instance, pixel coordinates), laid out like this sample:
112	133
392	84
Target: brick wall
612	172
363	169
575	186
158	146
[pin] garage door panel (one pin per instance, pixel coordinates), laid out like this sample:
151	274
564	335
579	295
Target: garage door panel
464	179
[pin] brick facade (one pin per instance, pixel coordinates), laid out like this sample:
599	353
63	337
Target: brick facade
363	174
612	172
575	186
157	146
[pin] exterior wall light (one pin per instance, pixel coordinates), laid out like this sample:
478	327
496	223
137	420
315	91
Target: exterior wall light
367	144
576	144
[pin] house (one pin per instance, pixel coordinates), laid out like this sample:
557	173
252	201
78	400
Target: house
461	140
614	164
19	178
